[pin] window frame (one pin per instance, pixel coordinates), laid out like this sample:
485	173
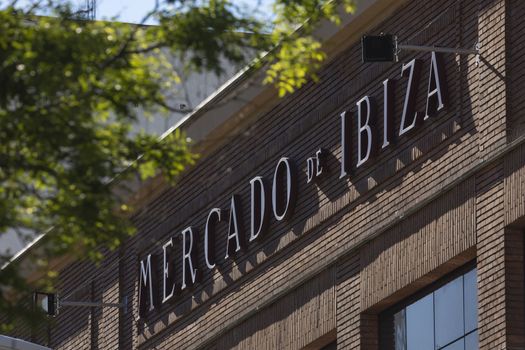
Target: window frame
385	317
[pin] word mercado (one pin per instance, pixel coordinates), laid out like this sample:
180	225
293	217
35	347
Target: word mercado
279	200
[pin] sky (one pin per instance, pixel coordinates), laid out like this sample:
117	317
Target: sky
134	10
130	11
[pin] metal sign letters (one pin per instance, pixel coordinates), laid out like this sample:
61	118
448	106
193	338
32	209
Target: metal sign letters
278	197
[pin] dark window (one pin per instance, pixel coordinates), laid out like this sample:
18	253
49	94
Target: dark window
445	318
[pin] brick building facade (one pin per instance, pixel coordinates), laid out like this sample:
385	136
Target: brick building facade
446	197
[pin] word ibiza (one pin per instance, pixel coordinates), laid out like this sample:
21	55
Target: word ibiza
283	189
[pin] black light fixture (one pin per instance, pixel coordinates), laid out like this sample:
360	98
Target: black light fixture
46	302
378	48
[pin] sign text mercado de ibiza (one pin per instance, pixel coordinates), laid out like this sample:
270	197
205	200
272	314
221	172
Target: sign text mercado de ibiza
280	198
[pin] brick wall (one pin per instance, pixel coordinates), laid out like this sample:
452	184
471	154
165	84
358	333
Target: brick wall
516	77
348	304
433	200
416	252
399	176
295	321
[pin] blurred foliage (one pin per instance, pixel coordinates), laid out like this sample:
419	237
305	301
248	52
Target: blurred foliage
69	94
298	54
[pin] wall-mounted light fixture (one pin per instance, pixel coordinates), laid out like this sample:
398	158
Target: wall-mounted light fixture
46	302
51	304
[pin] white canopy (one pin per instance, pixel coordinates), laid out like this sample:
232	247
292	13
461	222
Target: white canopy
9	343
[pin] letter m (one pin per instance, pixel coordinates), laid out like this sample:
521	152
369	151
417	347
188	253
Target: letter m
147	295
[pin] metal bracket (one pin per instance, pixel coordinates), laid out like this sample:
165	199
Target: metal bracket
474	51
123	305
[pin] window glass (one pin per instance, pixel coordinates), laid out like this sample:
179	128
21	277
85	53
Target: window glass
471	341
400	330
420	324
471	301
457	345
449	312
444	319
